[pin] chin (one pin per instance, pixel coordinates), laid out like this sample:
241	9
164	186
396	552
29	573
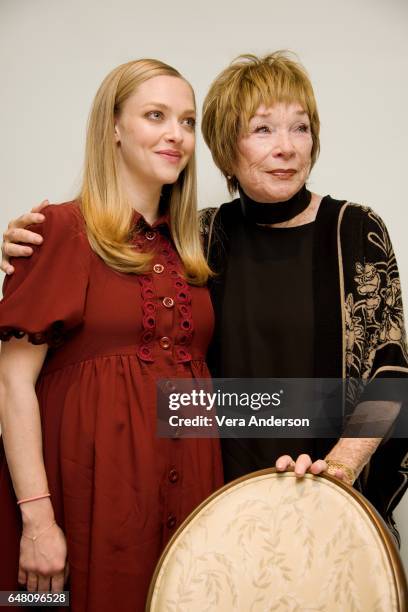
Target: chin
167	178
283	193
276	196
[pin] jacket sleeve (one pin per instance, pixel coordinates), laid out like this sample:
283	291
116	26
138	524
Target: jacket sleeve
387	350
376	339
376	344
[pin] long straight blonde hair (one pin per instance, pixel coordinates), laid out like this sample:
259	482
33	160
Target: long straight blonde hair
106	210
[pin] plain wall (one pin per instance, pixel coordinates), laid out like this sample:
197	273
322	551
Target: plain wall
54	54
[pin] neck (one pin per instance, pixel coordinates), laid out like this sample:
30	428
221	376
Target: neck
306	216
276	212
144	197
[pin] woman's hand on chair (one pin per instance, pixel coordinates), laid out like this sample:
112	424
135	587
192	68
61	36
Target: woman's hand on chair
304	464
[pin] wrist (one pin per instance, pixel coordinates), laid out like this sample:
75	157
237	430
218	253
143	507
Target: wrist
36	513
341	459
334	465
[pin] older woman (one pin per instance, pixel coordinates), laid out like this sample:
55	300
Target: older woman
293	296
308	286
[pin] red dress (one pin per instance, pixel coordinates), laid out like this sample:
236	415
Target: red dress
118	491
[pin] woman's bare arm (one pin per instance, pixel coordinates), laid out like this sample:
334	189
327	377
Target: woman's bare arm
44	560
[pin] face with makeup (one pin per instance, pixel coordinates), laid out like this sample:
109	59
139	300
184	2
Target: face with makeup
154	131
274	154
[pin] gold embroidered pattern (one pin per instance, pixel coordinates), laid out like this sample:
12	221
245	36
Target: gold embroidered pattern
373	310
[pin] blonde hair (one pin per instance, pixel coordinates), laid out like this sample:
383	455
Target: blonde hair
237	93
106	210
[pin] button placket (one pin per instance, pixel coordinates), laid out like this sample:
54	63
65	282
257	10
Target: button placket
162	286
181	299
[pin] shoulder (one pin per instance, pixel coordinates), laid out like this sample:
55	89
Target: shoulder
220	216
63	221
365	216
64	213
226	207
64	235
206	218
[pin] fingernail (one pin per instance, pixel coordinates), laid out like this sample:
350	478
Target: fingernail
38	239
280	465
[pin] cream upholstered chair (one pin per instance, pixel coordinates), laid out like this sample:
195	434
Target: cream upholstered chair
272	542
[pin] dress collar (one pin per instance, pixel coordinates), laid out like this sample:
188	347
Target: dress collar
140	223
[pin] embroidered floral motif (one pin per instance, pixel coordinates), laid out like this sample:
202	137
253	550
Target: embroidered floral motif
373	309
392	319
354	330
368	284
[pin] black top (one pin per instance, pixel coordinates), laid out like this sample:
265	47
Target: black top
268	303
264	299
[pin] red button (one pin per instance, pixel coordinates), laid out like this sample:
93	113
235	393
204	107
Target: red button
158	268
165	342
150	235
168	302
173	475
171	521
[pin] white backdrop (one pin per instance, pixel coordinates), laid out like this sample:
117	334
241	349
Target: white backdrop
54	54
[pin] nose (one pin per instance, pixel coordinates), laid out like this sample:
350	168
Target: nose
284	145
174	132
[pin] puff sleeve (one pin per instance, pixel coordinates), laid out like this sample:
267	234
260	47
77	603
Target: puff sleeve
46	295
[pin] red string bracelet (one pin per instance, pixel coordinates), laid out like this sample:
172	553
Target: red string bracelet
28	499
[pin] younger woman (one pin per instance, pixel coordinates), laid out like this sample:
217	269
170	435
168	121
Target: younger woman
112	302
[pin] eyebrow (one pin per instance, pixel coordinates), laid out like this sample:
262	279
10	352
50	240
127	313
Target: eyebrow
165	107
299	113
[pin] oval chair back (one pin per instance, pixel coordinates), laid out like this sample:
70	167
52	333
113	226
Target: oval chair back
273	542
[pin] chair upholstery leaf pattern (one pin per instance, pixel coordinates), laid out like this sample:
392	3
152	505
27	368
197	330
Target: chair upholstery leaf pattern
277	543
